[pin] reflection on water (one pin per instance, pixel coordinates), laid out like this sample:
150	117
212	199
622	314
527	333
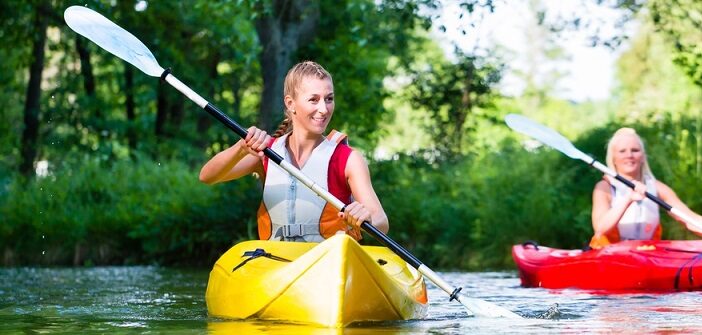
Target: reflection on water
152	299
260	327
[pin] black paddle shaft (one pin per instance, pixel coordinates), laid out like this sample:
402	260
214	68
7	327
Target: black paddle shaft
648	195
227	121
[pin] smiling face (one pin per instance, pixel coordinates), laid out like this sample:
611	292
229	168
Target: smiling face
628	155
312	103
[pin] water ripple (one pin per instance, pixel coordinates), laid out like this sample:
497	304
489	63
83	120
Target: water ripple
113	299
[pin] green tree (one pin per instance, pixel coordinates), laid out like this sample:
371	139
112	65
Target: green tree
451	93
651	85
680	21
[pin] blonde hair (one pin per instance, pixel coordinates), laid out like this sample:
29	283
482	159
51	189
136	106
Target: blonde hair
293	79
645	169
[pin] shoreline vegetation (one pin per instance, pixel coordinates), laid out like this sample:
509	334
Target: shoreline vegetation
462	213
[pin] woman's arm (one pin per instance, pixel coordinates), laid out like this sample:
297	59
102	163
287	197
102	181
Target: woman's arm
239	160
667	194
366	206
605	216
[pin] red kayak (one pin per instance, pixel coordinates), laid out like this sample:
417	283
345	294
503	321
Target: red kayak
623	266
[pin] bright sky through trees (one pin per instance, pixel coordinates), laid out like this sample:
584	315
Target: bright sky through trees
585	72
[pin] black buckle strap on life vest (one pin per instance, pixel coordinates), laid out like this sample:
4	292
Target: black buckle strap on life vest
455	293
259	253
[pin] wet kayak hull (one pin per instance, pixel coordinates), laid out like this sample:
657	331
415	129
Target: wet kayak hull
332	284
623	266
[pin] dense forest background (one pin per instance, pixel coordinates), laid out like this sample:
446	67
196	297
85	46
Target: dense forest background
99	163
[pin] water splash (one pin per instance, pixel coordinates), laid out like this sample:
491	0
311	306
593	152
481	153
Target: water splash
552	313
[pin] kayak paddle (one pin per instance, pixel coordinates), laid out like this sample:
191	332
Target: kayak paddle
124	45
553	139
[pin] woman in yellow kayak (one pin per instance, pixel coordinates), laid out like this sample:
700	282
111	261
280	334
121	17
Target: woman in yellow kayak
289	210
620	213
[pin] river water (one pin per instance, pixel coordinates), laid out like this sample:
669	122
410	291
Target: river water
164	300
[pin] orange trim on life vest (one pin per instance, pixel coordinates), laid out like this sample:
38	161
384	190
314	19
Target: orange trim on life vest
342	139
659	233
601	241
265	226
331	223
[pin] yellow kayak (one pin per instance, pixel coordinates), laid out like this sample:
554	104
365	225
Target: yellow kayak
332	283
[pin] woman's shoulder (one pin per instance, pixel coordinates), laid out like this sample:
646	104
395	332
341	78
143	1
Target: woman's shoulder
356	163
662	187
603	185
355	156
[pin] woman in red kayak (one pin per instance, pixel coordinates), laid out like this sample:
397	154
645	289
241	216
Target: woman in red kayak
289	210
620	213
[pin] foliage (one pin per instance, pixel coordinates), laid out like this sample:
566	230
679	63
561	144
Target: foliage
89	212
369	37
680	22
651	85
451	93
467	213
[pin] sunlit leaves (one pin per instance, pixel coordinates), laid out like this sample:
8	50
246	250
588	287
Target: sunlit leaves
451	93
681	22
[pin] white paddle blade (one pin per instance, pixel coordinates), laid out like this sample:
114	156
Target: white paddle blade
112	38
484	308
545	135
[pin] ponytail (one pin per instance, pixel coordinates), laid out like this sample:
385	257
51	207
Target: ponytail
284	127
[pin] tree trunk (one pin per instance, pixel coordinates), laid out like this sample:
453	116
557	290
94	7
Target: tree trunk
8	257
161	111
78	254
170	111
465	108
275	60
86	68
130	105
176	112
280	32
237	93
204	120
33	97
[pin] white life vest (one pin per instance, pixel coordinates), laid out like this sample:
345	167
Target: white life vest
291	210
641	220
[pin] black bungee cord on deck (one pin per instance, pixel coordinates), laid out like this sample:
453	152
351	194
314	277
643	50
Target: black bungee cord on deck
690	264
259	253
